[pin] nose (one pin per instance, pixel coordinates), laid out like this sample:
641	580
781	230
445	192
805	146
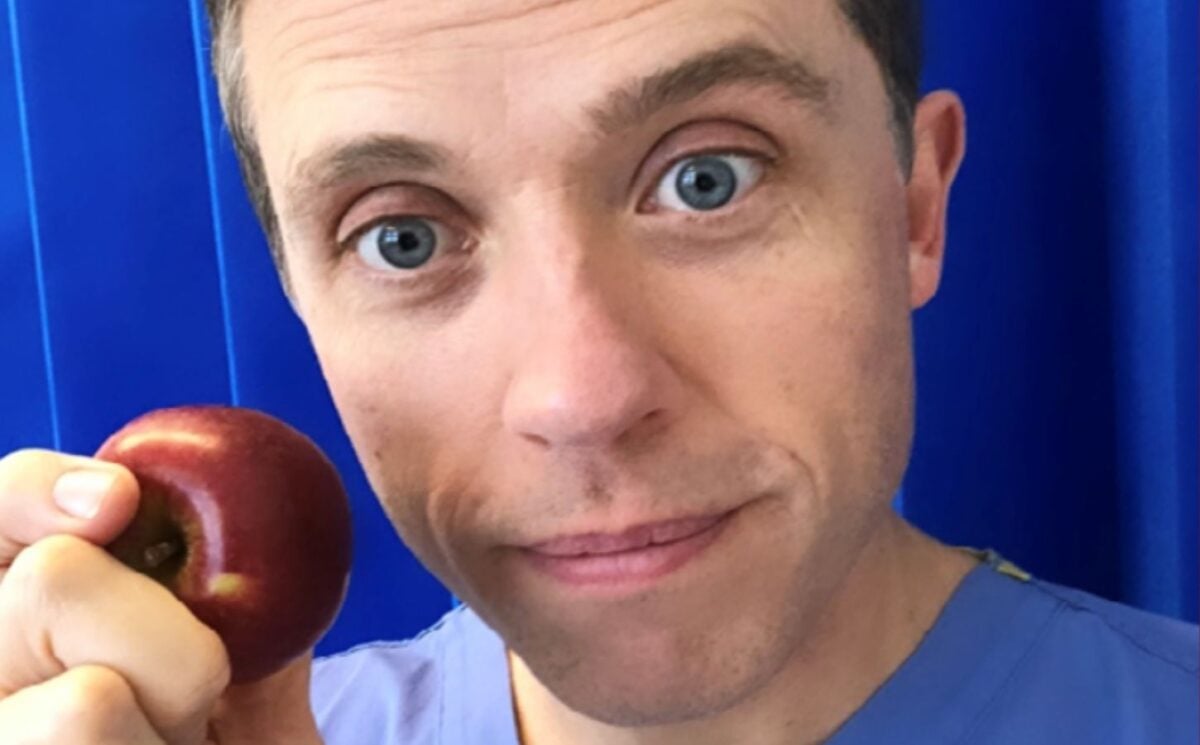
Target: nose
587	379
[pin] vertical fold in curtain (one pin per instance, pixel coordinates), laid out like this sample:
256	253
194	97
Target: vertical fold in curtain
1150	122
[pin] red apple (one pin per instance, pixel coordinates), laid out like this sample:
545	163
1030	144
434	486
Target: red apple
245	520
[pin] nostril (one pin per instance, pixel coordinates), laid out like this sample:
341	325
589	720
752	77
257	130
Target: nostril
535	439
651	423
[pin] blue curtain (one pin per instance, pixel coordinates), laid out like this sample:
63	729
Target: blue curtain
1153	145
1057	370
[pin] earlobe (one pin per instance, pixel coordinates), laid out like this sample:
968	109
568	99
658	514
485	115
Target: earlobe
939	129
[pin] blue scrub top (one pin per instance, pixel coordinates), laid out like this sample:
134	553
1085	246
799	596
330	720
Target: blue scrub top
1010	661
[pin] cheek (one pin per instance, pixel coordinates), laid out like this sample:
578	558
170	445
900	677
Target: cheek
405	406
811	348
380	404
848	370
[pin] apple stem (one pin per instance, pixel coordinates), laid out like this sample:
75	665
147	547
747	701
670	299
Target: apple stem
157	554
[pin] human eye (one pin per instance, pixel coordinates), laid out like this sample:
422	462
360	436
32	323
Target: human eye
402	243
706	183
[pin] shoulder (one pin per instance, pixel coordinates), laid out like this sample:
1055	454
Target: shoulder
1102	672
394	688
1155	642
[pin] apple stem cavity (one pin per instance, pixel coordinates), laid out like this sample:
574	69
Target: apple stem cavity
158	554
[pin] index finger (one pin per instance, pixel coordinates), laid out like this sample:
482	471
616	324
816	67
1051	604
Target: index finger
44	493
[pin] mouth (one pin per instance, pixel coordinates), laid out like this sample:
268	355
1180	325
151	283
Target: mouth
635	556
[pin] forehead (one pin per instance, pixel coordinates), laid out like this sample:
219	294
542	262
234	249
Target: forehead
462	71
291	30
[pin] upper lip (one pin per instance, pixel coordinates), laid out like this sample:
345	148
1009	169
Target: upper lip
629	539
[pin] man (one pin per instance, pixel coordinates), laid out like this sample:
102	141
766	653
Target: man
614	301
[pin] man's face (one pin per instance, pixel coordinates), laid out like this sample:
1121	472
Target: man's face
572	267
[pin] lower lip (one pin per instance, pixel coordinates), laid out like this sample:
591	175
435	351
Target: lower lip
628	567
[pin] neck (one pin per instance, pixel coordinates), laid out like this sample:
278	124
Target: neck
890	599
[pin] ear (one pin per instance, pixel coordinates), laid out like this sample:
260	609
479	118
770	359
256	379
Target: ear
940	140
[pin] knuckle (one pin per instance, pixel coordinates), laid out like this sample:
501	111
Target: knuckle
51	566
93	701
198	683
96	689
210	672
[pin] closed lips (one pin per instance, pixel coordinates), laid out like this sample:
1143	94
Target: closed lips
642	536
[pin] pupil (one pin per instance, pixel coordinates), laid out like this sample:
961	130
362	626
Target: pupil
408	243
707	183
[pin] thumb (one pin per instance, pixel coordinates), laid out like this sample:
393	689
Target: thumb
275	709
44	493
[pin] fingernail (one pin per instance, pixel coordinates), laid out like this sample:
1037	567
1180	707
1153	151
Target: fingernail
79	493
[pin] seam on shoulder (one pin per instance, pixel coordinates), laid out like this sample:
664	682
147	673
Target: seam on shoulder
978	720
393	643
1183	665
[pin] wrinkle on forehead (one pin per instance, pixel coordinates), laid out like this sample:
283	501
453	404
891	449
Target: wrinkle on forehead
424	38
438	71
295	48
509	21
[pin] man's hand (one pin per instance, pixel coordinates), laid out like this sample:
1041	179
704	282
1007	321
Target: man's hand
92	653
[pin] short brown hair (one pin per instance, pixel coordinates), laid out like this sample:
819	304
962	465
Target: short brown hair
891	29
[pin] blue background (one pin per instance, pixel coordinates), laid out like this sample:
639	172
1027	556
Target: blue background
1057	370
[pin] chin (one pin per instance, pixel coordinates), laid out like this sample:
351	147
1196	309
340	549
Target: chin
642	695
639	674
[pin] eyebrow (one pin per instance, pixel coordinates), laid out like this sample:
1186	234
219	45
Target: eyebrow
622	109
339	162
739	62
